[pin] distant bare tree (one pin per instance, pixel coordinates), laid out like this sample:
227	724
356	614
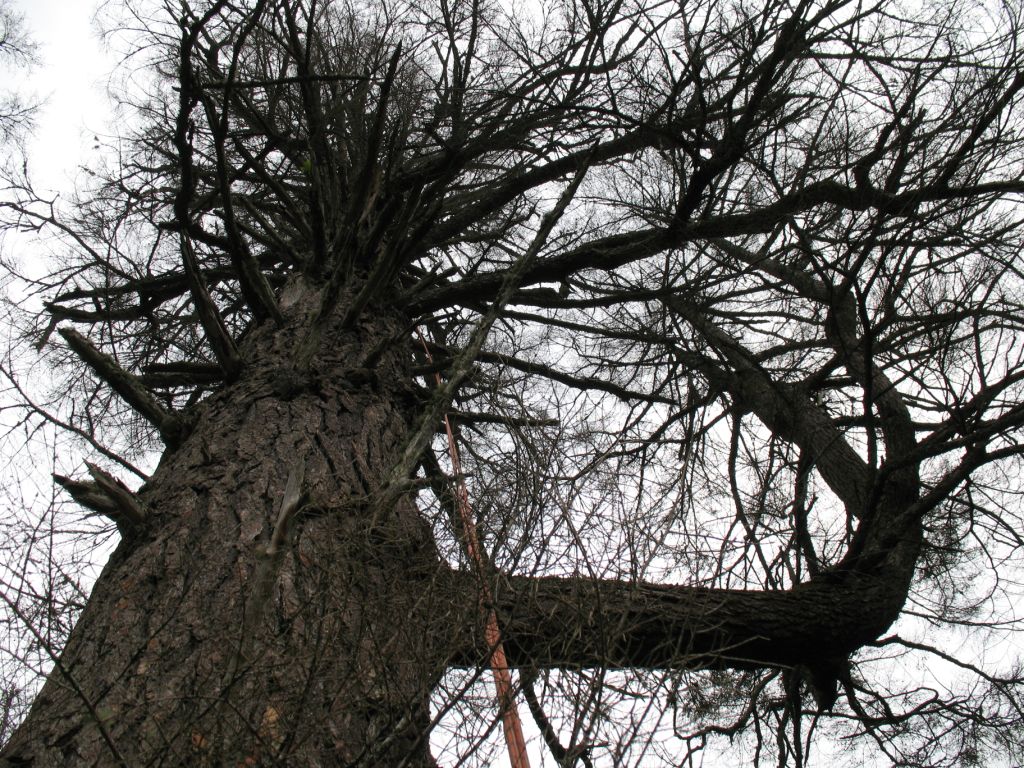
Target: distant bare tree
726	303
17	53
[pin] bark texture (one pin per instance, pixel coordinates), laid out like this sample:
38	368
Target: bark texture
175	661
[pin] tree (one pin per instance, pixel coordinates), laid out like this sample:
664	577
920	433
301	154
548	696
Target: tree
18	52
726	305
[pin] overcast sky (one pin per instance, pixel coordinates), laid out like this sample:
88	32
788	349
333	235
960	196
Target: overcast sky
71	80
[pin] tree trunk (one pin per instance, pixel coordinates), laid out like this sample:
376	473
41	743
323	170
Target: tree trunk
197	648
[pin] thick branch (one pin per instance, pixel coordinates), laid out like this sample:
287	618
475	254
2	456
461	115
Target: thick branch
783	407
216	332
580	382
106	495
182	374
576	622
131	390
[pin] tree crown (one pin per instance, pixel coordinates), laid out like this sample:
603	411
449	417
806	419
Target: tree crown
722	294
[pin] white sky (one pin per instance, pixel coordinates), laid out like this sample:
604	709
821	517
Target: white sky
72	80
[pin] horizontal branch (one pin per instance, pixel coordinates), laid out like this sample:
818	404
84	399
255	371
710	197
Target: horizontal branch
153	290
575	623
579	382
614	251
331	78
105	315
499	418
182	374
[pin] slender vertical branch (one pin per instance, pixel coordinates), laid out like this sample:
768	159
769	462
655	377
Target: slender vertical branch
463	362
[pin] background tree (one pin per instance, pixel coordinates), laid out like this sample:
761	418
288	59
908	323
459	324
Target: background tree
17	113
726	304
17	53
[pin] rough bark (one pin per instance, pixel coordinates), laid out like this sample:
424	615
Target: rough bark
162	669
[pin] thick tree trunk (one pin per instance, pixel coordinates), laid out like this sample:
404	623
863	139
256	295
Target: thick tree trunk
196	648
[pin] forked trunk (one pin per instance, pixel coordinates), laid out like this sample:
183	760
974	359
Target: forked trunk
198	648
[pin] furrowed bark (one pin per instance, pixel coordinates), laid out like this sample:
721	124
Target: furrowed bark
338	666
